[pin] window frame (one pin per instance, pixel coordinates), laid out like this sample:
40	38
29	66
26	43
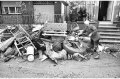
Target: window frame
4	10
9	10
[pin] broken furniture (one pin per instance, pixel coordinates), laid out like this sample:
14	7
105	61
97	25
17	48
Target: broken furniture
72	46
22	38
54	33
55	29
5	34
22	43
24	31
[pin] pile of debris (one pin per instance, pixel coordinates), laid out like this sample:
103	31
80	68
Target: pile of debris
45	41
15	42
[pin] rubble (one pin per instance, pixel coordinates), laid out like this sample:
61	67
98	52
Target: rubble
37	27
4	45
58	55
46	42
9	51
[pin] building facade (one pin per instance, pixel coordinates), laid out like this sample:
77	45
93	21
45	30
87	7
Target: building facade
24	12
32	11
102	10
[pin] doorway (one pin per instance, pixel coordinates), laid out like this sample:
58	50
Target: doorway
105	10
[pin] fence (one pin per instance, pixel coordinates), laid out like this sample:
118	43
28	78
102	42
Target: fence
31	19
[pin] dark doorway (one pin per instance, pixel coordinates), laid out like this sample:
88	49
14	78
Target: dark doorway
103	6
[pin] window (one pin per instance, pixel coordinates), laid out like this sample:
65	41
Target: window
11	10
18	10
6	10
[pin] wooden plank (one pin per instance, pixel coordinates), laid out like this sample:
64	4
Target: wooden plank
20	54
2	30
54	35
53	32
6	43
20	27
21	38
31	43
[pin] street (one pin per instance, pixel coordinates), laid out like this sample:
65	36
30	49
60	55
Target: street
106	67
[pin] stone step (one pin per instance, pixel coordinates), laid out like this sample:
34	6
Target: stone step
109	30
108	27
105	22
109	41
112	29
101	25
109	33
110	37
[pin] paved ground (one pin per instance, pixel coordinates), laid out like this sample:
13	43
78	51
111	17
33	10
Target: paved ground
106	67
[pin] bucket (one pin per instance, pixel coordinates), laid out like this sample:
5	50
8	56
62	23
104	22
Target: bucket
30	50
30	53
30	58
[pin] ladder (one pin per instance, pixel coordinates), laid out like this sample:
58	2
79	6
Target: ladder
22	40
22	43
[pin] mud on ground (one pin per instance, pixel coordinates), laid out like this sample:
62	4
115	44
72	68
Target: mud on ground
106	67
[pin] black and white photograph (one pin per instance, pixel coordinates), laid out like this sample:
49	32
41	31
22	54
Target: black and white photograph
59	39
